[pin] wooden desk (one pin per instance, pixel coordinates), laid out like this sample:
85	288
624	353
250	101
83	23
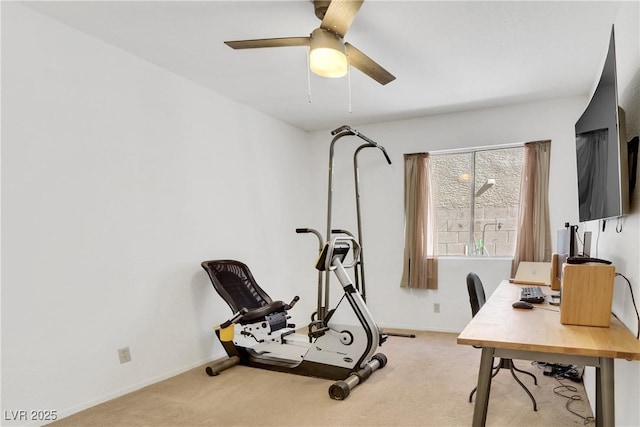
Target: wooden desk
503	331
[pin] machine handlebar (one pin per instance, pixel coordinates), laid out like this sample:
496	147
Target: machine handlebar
386	156
341	129
235	319
312	231
352	131
293	302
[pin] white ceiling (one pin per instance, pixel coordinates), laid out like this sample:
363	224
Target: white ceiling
447	56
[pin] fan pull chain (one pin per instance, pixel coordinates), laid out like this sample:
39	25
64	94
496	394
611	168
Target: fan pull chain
349	81
309	75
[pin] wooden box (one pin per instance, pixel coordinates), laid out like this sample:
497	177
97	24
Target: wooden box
557	261
586	294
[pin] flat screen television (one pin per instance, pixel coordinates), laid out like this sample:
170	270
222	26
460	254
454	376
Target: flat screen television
601	159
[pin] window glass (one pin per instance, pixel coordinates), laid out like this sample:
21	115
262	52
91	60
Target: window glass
477	199
453	179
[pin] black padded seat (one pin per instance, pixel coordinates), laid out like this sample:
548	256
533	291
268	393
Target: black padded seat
260	313
235	284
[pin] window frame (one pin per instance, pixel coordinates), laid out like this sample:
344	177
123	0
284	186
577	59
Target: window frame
472	202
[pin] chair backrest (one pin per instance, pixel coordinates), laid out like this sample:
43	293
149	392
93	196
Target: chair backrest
235	284
476	292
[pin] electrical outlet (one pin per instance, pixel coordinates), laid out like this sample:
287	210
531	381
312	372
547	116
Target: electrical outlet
436	307
124	354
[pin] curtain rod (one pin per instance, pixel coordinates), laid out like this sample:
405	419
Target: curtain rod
472	149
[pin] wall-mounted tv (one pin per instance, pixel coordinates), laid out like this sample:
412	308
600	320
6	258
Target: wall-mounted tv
601	159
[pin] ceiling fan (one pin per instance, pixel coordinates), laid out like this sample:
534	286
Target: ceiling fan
330	55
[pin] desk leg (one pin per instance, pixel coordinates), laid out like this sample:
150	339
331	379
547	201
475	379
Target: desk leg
484	387
605	409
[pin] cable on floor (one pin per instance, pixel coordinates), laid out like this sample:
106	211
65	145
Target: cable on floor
565	372
570	399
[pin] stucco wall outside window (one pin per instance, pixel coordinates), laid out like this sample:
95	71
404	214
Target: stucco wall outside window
495	177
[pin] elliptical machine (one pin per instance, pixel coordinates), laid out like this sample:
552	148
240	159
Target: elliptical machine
341	346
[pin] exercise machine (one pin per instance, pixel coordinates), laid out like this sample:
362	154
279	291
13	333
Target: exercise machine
341	346
339	133
359	273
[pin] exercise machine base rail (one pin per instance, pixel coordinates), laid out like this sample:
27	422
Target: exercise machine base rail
341	389
215	368
398	334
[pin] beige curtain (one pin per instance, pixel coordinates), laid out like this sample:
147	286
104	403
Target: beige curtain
534	232
420	264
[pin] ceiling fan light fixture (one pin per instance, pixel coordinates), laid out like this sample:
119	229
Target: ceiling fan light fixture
327	57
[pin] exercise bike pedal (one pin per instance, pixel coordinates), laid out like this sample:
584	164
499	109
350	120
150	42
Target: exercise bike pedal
318	332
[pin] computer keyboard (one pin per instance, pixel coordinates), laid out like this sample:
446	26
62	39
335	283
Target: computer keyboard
532	294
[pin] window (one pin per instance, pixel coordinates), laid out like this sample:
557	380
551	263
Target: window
477	200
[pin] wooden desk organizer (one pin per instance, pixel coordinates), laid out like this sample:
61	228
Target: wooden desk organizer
587	294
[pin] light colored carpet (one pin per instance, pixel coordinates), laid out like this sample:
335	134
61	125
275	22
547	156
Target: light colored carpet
426	382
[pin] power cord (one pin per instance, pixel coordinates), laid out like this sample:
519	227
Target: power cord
577	235
559	371
633	301
598	237
570	399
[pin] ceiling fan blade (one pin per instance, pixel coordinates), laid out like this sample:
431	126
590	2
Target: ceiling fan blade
340	15
259	43
368	66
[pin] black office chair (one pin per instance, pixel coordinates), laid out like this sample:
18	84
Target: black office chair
477	299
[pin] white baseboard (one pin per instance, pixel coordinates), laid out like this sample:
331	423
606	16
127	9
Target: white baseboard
110	396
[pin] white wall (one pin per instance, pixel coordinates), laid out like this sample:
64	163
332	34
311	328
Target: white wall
118	179
623	248
382	202
383	211
383	219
